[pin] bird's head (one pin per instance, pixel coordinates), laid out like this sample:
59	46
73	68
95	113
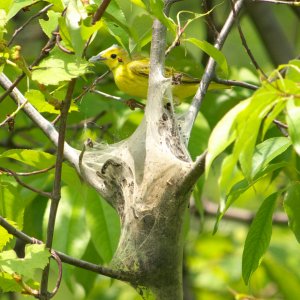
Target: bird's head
112	57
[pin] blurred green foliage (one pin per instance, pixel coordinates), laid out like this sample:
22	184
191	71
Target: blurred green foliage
86	226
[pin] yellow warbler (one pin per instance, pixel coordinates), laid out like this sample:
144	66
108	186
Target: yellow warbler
131	76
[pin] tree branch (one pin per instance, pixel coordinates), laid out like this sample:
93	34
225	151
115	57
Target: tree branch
18	30
69	259
12	173
241	215
209	72
70	153
56	192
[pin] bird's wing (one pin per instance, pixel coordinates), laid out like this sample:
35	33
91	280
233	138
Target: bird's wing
139	67
180	77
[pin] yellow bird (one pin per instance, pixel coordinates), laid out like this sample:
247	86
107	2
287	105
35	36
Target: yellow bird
131	76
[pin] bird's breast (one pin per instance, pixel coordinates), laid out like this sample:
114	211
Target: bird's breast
130	83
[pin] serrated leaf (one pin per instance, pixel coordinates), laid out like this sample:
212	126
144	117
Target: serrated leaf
258	237
216	54
48	26
103	223
8	284
37	99
5	237
293	122
58	5
58	67
291	206
36	257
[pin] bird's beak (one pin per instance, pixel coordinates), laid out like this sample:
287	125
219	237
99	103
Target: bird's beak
97	57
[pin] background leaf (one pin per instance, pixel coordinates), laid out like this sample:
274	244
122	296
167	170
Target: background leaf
258	237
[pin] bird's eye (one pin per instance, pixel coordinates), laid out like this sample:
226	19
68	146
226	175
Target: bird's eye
113	56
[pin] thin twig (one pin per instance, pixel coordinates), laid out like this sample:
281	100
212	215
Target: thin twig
35	172
12	173
70	153
56	192
131	103
115	274
293	3
243	84
245	44
97	17
12	116
95	82
241	215
44	52
18	30
209	72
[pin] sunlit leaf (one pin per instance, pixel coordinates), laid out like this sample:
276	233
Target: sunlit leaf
58	67
258	237
157	7
216	54
36	257
267	151
17	6
223	134
5	237
48	26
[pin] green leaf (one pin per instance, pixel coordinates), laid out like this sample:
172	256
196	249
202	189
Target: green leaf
293	122
41	160
9	284
58	67
267	151
104	225
258	237
277	272
37	99
58	5
34	158
5	237
293	71
17	5
51	24
36	257
291	206
157	7
11	203
75	13
118	33
72	235
223	134
216	54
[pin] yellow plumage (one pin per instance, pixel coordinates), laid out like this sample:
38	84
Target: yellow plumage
131	76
